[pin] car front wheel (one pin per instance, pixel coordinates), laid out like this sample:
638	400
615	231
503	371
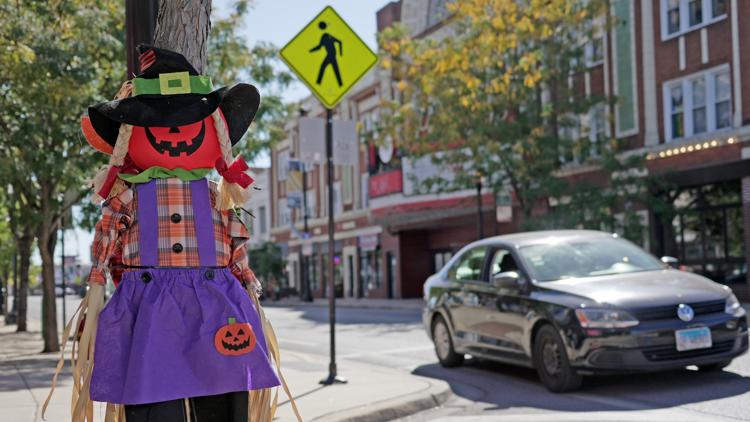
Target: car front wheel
551	362
441	337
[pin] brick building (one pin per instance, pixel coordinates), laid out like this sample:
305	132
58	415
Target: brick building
676	68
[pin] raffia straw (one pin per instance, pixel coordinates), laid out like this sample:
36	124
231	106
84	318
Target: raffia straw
262	407
81	358
119	152
230	194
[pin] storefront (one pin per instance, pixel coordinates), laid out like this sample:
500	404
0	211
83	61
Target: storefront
705	227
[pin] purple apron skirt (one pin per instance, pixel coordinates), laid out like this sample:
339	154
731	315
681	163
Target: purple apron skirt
171	333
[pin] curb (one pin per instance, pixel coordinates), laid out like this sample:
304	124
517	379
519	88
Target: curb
389	409
339	304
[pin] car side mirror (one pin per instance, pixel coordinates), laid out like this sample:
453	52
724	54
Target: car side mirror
506	279
671	262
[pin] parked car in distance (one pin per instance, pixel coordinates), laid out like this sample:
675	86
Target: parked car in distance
572	303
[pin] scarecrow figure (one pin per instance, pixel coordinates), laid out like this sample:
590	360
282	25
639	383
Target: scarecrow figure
183	337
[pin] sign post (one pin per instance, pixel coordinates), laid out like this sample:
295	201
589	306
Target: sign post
316	55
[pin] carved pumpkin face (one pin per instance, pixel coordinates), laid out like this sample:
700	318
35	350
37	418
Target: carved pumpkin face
235	338
188	147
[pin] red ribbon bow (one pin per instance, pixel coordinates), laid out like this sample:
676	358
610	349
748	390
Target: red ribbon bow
234	173
128	167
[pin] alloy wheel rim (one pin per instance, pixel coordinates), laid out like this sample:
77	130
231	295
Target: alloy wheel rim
551	357
442	341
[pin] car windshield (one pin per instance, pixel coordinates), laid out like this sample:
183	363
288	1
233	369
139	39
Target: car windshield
586	258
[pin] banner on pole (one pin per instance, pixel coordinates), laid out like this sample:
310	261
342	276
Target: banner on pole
345	143
294	184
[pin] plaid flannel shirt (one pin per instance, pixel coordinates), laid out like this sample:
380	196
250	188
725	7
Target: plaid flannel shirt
116	238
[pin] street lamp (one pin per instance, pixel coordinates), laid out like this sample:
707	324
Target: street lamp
305	293
480	179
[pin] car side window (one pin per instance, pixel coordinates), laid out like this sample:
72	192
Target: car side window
469	265
502	261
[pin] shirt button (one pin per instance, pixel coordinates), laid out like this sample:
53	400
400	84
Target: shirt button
176	218
177	247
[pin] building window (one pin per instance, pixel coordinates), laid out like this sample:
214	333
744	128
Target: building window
597	129
594	51
262	220
680	16
678	128
698	104
695	12
719	7
722	87
371	278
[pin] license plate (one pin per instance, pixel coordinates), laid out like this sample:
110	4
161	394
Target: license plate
693	338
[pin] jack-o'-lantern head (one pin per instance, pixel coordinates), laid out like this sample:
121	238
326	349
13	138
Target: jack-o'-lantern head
171	109
190	146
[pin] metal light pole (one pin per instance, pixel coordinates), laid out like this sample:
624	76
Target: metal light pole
140	23
62	265
12	316
306	292
480	223
332	371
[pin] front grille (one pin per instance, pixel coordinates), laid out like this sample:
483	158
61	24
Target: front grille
664	353
670	311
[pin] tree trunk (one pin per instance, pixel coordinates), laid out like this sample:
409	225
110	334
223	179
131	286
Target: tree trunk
24	263
183	26
46	240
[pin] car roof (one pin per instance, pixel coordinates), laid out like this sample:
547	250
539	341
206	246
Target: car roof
542	236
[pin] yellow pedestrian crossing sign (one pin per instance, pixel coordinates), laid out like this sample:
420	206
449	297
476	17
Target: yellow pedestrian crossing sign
328	57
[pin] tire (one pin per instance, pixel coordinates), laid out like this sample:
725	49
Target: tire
551	362
443	342
714	367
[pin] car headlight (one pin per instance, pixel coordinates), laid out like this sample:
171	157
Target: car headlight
605	318
734	307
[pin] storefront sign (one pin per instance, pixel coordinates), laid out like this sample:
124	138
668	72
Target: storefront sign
368	242
386	183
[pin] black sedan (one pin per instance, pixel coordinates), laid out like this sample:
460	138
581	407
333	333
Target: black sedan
572	303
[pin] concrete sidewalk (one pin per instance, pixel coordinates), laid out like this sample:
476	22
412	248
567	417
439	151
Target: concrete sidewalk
373	393
351	303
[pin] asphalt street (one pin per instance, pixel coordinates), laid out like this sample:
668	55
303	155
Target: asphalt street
486	391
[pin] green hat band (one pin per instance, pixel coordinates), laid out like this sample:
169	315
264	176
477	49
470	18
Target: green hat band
173	83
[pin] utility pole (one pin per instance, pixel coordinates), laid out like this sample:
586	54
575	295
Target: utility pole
140	21
12	316
333	377
62	265
306	293
480	223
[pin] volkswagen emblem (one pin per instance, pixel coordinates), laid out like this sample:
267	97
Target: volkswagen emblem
685	312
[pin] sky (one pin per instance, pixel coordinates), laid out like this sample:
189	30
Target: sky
275	21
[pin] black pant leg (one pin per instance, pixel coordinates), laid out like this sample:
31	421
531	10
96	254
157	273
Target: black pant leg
229	407
166	411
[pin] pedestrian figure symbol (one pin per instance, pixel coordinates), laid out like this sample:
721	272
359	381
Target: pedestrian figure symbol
329	42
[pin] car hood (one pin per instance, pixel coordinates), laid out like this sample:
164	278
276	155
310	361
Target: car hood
642	289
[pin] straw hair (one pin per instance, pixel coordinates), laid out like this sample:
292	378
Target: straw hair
82	359
230	194
118	154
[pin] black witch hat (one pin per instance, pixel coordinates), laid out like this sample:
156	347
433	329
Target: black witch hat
170	92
